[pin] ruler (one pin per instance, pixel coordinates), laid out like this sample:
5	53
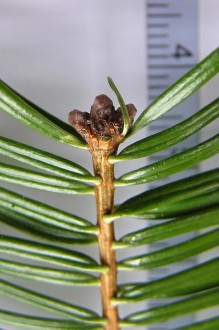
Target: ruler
172	50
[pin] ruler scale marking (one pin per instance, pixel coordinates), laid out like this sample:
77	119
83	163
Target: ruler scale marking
166	62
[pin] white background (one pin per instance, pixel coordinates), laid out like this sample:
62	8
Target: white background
58	54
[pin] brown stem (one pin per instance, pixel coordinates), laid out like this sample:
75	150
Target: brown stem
105	202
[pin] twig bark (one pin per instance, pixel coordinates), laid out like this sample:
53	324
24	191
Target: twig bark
105	202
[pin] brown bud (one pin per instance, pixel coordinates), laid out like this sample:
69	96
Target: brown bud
101	115
101	102
80	121
132	112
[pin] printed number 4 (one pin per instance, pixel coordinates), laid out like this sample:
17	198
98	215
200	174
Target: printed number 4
181	51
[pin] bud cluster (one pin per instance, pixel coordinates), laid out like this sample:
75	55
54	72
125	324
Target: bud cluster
103	122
